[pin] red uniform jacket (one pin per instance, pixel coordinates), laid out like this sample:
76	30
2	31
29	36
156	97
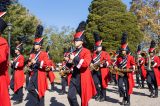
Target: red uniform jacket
19	77
130	63
155	68
4	94
42	79
50	73
88	89
104	71
142	63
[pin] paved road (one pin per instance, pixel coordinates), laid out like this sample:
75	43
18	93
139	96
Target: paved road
138	98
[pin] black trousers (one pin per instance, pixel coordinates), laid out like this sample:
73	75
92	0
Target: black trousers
113	78
123	86
34	99
27	79
139	78
73	90
64	83
98	83
152	83
52	85
19	93
12	83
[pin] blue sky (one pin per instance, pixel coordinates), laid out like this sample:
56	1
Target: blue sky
60	12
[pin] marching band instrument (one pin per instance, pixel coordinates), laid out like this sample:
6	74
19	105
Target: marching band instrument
119	71
113	71
64	70
47	68
96	66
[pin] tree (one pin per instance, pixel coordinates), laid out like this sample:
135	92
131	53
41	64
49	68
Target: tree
23	23
110	19
59	40
148	16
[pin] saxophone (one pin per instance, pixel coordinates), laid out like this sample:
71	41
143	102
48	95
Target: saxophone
115	71
64	70
96	66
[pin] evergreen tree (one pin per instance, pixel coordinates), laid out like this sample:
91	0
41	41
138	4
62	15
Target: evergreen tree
110	19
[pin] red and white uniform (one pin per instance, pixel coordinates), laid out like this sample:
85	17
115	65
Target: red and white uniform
4	77
156	61
88	89
19	77
142	66
42	79
104	70
130	64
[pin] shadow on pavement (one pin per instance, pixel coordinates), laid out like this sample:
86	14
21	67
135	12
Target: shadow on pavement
139	93
112	90
112	100
54	102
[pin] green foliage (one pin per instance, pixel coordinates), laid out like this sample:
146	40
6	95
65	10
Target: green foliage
110	19
60	40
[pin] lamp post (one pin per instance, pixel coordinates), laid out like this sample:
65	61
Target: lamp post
9	38
9	33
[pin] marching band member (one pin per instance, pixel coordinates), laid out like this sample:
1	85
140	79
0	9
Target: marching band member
124	61
141	73
38	82
81	80
153	74
18	77
66	66
100	76
4	77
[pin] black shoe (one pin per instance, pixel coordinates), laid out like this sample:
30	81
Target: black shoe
98	98
52	88
62	93
142	87
102	99
94	97
127	104
12	98
151	95
155	96
17	102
